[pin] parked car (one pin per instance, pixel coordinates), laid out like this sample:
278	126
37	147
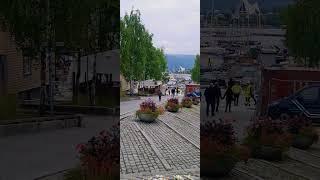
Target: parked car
304	102
193	94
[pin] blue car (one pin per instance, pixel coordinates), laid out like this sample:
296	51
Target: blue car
305	102
193	94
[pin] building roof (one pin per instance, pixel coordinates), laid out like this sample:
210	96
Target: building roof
244	7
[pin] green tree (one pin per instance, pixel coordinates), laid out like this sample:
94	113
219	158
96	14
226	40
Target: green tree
195	72
302	20
140	60
37	25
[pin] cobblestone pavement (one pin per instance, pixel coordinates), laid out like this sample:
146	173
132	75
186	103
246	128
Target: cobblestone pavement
241	115
165	149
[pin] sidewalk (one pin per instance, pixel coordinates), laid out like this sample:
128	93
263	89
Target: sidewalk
29	156
169	146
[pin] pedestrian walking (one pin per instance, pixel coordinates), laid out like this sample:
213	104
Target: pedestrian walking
247	95
236	89
229	98
251	90
209	64
173	91
210	99
230	83
159	94
217	93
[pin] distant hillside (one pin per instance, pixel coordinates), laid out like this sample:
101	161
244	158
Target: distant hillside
227	5
174	61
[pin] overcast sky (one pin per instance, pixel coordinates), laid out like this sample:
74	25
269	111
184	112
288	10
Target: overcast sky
174	23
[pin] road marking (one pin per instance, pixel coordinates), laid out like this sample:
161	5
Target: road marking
155	149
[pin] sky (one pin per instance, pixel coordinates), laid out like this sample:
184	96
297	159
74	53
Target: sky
175	24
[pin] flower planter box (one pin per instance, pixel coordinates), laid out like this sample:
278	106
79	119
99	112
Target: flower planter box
268	153
173	110
147	117
187	105
217	167
302	142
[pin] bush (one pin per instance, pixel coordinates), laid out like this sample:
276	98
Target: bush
99	157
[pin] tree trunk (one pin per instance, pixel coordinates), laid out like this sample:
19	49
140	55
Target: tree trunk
94	80
42	105
77	84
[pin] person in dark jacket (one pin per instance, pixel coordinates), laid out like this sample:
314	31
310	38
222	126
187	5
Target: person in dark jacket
230	83
251	90
173	91
229	98
159	94
217	93
210	99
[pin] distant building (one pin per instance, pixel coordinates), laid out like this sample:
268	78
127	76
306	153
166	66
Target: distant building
245	11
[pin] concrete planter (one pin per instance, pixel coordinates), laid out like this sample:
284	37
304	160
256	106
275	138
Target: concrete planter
187	105
147	117
268	153
302	142
172	109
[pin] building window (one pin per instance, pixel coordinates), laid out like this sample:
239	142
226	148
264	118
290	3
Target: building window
27	64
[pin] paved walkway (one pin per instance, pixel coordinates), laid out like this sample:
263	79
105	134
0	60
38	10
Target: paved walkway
28	156
241	114
167	148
